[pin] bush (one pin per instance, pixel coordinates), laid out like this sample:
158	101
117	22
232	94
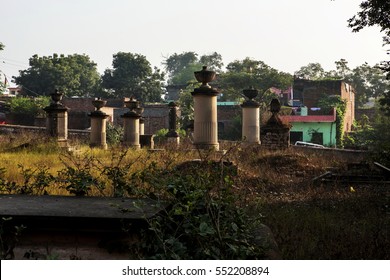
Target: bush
114	134
30	106
205	219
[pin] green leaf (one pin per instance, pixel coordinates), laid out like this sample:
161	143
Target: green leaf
205	229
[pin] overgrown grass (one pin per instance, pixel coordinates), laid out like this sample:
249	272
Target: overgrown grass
309	221
331	223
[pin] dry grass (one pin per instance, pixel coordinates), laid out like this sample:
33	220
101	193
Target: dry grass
309	220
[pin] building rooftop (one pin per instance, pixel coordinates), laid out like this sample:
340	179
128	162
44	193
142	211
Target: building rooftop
309	118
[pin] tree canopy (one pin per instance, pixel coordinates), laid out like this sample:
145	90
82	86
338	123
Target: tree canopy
181	67
246	73
132	75
75	75
312	71
375	13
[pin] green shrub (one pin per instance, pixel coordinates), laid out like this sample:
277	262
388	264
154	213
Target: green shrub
205	219
36	181
25	105
76	177
114	134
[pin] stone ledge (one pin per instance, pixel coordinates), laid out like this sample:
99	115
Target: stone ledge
78	207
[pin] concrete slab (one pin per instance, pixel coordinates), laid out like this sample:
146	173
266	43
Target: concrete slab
78	207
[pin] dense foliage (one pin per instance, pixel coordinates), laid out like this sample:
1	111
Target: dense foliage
132	75
375	13
75	75
246	73
28	105
206	219
181	67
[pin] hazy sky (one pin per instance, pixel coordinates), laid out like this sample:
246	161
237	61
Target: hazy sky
285	34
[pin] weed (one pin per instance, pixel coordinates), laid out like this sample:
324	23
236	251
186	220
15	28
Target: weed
76	177
205	219
117	173
215	206
9	237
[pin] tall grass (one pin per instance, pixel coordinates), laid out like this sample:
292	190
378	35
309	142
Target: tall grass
309	220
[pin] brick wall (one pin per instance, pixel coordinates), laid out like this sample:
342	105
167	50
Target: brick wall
79	104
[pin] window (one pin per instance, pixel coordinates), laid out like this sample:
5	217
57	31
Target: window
317	138
296	136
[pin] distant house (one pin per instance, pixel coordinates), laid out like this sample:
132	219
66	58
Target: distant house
310	123
310	92
13	91
317	129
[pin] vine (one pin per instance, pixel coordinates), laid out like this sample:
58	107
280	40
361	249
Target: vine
340	114
330	102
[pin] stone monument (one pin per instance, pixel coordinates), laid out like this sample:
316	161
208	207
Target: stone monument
98	125
250	117
172	135
131	135
275	134
205	112
57	119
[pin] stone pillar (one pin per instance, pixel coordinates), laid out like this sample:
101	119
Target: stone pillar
172	135
205	112
131	124
57	119
250	118
98	125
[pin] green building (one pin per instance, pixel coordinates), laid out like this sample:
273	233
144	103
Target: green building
317	129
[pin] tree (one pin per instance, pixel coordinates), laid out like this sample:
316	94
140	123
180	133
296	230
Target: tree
342	68
212	61
132	75
375	12
313	71
369	82
186	103
181	67
28	105
176	63
246	73
186	76
75	75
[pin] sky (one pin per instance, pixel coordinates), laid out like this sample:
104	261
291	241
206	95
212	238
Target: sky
285	34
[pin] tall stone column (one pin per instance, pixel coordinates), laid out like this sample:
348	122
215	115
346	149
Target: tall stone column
131	136
251	118
172	135
57	119
98	125
205	112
